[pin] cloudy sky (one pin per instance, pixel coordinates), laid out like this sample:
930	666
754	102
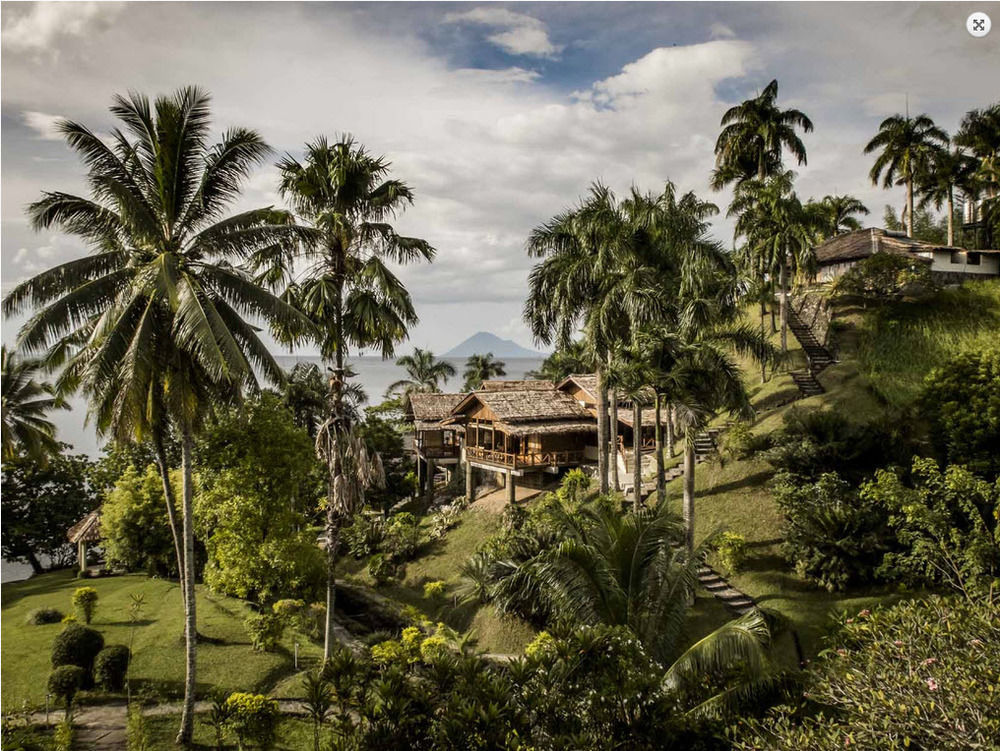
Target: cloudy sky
498	115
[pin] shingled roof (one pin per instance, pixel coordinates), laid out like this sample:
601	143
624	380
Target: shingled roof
427	410
862	243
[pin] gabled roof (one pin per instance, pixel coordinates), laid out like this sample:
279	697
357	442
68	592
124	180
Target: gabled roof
584	381
862	243
427	410
87	529
525	411
532	385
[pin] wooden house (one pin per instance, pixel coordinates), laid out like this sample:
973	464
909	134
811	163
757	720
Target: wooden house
434	444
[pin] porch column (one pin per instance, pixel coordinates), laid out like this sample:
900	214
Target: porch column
469	489
420	484
81	554
510	486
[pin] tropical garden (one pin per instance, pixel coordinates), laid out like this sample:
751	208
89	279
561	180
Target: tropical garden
273	576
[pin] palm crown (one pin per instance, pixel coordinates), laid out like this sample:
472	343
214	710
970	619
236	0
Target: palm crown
26	401
426	373
479	368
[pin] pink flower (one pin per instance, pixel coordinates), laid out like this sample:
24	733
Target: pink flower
842	652
932	684
850	620
898	643
930	660
976	642
864	613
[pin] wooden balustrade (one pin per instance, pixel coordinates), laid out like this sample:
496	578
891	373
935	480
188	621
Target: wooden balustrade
522	461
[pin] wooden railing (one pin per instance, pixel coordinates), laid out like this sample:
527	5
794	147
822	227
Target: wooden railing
519	461
438	452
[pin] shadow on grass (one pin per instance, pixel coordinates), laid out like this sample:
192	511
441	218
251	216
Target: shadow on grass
753	480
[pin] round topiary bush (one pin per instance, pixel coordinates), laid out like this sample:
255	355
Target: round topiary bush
85	602
77	645
110	667
43	616
65	681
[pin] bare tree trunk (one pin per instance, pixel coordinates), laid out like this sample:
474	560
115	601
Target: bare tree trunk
951	216
909	207
602	431
763	366
670	429
689	490
168	495
637	451
616	484
784	305
186	730
661	485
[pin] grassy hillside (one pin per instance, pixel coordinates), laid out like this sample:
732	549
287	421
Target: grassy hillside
225	659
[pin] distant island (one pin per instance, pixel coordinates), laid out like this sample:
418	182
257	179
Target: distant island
483	342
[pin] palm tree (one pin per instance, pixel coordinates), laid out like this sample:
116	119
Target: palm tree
340	281
947	169
307	394
979	133
754	134
563	362
590	279
151	326
479	368
26	402
627	570
838	214
779	232
426	374
905	146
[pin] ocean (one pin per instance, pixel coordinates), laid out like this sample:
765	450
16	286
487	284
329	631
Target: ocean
374	374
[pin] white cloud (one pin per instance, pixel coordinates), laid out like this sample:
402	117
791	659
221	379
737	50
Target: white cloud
43	124
517	33
39	26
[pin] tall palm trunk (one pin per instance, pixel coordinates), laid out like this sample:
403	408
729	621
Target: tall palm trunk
613	429
335	483
763	366
689	490
187	585
661	484
909	206
637	452
602	431
951	215
670	429
168	495
784	304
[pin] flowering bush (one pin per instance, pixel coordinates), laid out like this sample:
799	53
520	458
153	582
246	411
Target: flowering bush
85	602
265	631
252	718
434	590
541	645
732	551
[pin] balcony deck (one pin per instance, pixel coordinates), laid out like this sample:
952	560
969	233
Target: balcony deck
535	460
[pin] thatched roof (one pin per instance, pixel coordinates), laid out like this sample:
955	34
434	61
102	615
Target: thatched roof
648	417
547	427
427	410
529	411
862	243
516	386
87	529
585	381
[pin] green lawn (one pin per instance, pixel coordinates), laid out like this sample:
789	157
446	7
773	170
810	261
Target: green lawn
294	734
226	661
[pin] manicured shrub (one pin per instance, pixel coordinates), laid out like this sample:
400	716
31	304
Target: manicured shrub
832	537
77	645
64	682
43	616
253	718
732	551
264	630
85	603
111	666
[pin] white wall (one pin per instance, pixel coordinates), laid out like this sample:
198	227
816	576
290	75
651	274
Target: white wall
989	263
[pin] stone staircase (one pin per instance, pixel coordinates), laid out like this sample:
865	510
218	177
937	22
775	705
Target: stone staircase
704	444
816	354
731	597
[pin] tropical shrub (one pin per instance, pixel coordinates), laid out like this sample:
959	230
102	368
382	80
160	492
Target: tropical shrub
731	549
136	730
832	537
740	442
43	616
434	590
948	524
77	645
135	530
884	276
253	718
64	682
62	737
364	535
85	602
443	520
111	666
383	568
402	536
265	630
921	674
961	401
574	486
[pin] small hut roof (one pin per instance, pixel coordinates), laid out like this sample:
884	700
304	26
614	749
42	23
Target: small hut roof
427	410
528	385
547	427
648	417
88	529
862	243
526	406
585	381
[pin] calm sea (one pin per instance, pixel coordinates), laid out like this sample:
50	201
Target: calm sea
374	374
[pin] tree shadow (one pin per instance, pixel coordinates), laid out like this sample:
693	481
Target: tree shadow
752	480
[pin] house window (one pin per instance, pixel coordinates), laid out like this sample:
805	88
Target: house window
972	259
956	256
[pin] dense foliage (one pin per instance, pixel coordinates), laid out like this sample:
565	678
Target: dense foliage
961	401
948	523
77	645
885	276
134	527
919	675
41	500
111	666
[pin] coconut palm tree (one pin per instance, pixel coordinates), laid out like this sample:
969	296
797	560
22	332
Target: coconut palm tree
151	326
754	134
905	146
26	402
426	374
479	368
563	362
947	170
340	281
589	278
838	214
979	133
